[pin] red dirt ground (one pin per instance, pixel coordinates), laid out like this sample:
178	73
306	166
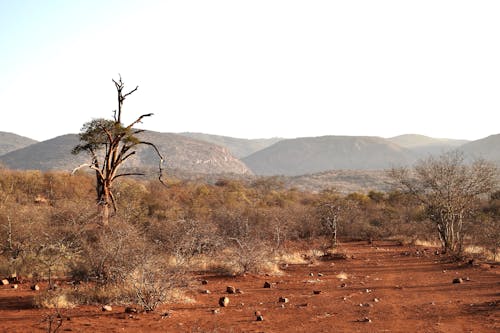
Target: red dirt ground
414	293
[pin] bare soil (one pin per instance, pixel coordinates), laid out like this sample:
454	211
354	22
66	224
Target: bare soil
387	288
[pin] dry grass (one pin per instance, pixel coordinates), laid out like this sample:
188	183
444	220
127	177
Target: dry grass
53	300
425	243
481	251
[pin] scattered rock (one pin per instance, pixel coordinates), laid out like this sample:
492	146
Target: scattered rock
311	274
334	256
239	291
258	313
458	280
204	281
230	290
467	278
260	318
14	286
107	308
368	291
316	292
223	301
215	311
376	300
343	285
4	282
165	315
365	320
206	291
320	274
35	287
13	278
130	309
267	284
283	299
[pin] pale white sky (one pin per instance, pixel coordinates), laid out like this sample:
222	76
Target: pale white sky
253	69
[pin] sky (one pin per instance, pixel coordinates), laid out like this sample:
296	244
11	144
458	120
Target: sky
253	69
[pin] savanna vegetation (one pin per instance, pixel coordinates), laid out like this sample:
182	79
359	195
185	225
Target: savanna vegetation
50	230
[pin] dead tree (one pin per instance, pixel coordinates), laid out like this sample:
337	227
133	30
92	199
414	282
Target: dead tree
109	144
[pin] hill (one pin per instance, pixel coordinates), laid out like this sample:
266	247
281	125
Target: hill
487	148
240	148
180	153
422	145
10	142
317	154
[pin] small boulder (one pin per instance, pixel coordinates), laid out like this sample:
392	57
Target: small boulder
458	280
206	291
107	308
267	284
14	286
223	301
316	292
239	291
283	299
260	318
35	287
4	282
230	290
204	281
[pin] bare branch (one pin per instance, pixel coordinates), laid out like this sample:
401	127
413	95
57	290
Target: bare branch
79	167
130	92
129	174
139	120
160	163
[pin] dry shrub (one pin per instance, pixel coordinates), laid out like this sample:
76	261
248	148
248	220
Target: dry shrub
53	299
152	283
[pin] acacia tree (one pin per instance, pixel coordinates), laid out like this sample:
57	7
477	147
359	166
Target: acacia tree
109	144
448	189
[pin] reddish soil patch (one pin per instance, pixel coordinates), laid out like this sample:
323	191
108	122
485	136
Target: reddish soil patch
388	288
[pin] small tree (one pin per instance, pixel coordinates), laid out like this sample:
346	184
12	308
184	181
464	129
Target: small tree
331	210
109	144
448	189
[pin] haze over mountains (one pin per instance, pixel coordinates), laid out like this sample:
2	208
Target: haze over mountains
10	142
354	162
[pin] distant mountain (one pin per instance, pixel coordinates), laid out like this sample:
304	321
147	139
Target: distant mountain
240	148
423	145
317	154
180	153
487	148
417	140
10	142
